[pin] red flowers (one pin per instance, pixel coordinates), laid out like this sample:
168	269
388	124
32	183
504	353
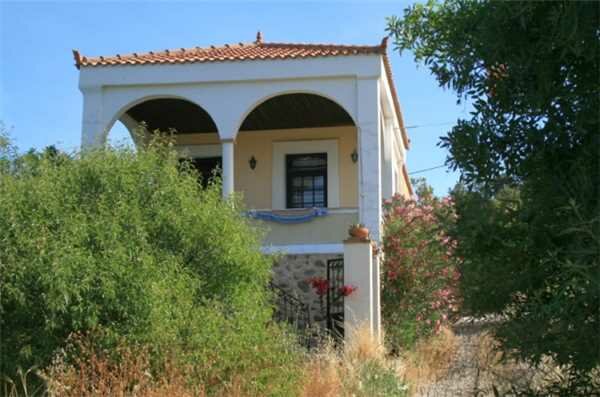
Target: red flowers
321	286
347	290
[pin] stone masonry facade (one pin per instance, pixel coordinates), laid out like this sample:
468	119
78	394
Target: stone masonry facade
292	273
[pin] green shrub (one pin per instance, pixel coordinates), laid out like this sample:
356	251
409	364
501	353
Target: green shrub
527	151
377	380
130	245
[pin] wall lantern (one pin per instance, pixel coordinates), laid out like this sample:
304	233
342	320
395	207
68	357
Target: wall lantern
252	162
354	156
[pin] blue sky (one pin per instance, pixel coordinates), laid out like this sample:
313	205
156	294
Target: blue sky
41	104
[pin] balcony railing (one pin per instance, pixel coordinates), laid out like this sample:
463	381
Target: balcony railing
289	308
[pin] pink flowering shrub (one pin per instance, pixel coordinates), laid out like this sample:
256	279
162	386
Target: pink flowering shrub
420	276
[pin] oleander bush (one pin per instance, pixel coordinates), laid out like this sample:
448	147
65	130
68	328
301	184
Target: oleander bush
420	275
127	249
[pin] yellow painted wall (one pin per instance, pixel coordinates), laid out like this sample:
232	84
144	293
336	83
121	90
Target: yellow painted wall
330	229
256	184
402	184
404	187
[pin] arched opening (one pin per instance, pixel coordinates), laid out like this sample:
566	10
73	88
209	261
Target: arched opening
166	114
120	136
298	110
194	130
299	147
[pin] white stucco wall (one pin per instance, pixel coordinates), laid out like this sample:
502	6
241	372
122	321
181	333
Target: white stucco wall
229	91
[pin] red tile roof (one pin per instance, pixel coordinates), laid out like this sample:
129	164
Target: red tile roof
257	50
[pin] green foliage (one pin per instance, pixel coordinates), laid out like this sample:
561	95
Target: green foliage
128	246
377	380
420	277
529	207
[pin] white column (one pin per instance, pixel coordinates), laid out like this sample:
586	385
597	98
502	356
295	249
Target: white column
359	307
93	130
370	197
376	295
387	158
228	166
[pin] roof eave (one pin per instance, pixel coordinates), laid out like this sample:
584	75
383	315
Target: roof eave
388	71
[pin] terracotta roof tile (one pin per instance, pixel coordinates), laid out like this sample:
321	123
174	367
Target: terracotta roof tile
257	50
228	52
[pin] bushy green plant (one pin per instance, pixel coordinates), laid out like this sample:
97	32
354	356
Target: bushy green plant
529	222
128	246
377	380
420	276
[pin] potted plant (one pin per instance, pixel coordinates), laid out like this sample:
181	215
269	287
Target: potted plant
359	231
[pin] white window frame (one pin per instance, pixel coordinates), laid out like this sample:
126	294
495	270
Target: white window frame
281	149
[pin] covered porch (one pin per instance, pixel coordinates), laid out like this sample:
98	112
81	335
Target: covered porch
294	162
250	127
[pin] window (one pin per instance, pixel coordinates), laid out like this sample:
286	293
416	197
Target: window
279	177
306	180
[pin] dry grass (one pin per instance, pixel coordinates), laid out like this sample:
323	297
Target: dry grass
505	373
363	346
323	374
430	359
472	363
26	383
361	368
100	376
124	372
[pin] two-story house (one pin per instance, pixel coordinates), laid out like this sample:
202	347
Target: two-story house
311	135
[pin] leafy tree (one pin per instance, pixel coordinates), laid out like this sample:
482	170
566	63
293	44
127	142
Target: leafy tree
129	247
529	204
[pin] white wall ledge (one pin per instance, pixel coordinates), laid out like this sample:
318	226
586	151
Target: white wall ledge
297	249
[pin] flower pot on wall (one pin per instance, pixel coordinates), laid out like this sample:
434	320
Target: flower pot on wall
359	231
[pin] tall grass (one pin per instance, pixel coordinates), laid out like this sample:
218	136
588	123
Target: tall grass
361	369
429	360
124	371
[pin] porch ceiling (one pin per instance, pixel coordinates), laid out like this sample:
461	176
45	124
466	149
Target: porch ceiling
167	113
280	112
296	111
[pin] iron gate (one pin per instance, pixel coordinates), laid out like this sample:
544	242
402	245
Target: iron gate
335	299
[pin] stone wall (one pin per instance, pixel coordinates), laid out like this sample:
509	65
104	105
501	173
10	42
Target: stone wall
292	272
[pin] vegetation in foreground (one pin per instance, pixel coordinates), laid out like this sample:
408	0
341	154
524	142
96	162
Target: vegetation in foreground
123	276
361	369
127	250
165	282
528	224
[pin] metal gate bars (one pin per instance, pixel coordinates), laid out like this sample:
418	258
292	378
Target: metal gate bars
335	299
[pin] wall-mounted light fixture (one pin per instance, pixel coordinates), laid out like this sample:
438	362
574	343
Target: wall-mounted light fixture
354	156
252	162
